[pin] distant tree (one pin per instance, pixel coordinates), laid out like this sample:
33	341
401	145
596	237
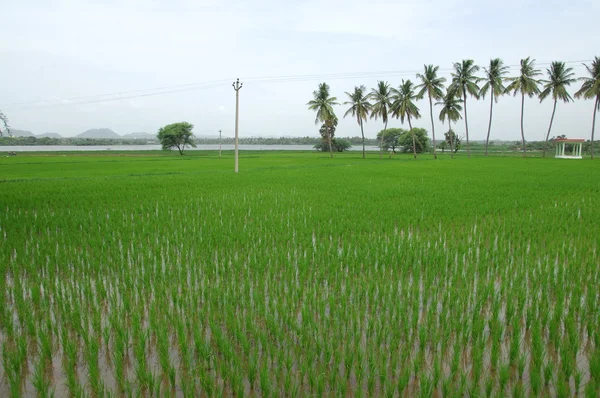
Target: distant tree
559	77
323	103
591	89
4	121
464	82
389	138
434	86
450	110
494	77
338	145
421	141
526	84
176	135
403	106
360	107
443	145
382	101
453	140
327	132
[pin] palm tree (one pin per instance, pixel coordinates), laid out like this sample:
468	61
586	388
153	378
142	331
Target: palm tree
359	107
451	109
381	97
591	89
559	77
322	103
404	107
464	82
525	83
493	83
433	85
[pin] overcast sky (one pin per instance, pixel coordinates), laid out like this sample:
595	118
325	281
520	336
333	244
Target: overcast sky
55	51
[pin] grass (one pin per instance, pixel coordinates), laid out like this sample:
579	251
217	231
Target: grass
156	274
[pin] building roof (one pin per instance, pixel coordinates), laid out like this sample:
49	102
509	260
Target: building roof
569	140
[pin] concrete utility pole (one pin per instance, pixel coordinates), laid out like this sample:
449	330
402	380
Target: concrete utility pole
237	86
219	144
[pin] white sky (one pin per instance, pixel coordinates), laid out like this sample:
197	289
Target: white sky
56	50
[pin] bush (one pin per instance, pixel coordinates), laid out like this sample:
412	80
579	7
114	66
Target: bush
337	145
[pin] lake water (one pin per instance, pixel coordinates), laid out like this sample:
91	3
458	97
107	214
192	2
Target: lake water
66	148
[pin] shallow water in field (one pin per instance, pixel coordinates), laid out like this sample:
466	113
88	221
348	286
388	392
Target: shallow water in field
272	285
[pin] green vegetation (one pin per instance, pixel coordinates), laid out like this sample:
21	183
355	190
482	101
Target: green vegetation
590	89
157	274
526	84
176	135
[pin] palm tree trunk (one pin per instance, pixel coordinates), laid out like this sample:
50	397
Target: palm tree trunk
549	128
363	136
329	141
467	124
381	143
413	138
487	140
594	124
451	139
432	126
522	132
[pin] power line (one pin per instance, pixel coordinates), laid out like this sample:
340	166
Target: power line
117	96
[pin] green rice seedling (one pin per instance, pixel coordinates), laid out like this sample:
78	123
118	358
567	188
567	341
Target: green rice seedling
518	390
504	377
41	383
535	378
548	373
489	387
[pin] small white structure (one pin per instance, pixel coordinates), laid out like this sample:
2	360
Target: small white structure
577	148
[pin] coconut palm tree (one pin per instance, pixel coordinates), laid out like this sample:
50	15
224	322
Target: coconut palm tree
451	109
360	107
381	97
526	84
403	106
464	82
323	104
434	86
559	77
493	83
591	89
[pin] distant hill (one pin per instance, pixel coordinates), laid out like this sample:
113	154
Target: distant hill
145	136
98	133
21	133
49	135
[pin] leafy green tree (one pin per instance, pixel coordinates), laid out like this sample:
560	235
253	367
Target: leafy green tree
494	78
323	103
4	121
403	106
559	77
590	88
434	87
464	82
389	138
526	84
382	100
451	109
338	144
421	141
453	140
327	132
360	107
176	135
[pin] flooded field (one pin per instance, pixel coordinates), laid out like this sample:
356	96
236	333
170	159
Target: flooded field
343	277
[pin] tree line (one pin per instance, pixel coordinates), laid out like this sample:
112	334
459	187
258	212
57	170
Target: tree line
385	101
